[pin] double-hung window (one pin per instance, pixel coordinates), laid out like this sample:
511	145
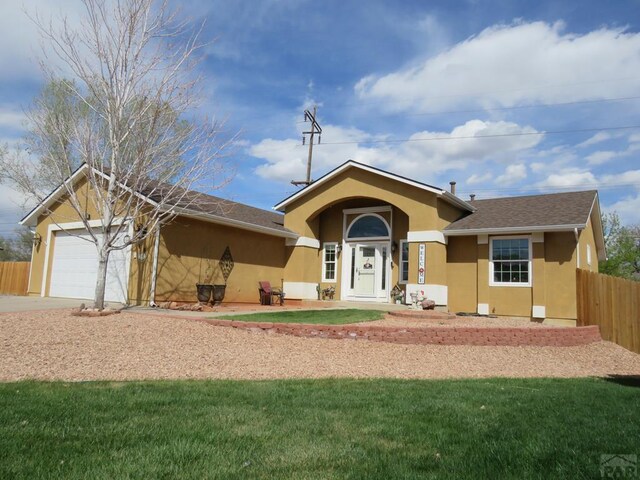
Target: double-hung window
329	262
404	261
510	263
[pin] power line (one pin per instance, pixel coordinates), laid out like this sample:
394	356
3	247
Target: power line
466	137
501	109
496	135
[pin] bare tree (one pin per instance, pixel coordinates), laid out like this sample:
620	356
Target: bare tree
126	119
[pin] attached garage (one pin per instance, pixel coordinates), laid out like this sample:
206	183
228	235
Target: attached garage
74	268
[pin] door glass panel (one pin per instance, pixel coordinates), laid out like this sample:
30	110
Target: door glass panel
384	268
353	266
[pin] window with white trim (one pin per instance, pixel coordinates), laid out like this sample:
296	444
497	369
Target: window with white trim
404	261
329	261
510	262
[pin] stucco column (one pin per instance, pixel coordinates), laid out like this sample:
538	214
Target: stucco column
483	274
538	277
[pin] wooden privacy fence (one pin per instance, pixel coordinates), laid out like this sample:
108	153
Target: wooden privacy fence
14	278
613	304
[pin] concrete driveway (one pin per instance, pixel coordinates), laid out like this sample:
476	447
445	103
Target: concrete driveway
10	303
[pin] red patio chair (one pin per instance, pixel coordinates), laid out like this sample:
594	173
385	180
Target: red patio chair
267	293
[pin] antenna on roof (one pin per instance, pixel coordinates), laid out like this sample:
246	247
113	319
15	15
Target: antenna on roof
315	129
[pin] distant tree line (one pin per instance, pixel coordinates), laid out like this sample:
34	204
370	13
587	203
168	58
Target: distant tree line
16	248
623	248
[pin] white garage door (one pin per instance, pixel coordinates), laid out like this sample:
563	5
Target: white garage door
75	269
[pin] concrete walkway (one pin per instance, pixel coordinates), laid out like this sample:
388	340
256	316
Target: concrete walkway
10	303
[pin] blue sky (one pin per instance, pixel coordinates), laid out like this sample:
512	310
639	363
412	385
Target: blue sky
382	72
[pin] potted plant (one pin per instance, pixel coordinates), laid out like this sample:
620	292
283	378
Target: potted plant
205	289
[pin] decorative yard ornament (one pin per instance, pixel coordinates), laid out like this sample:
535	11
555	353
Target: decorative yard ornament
226	264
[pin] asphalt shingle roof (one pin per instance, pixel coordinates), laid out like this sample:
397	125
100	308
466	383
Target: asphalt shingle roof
570	208
211	205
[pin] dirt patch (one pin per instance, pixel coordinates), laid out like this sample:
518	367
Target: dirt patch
58	346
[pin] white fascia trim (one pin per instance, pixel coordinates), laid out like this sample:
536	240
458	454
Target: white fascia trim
513	230
483	309
302	242
442	193
538	311
300	290
451	198
31	219
426	236
234	223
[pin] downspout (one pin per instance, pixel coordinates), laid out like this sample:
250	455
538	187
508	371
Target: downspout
154	270
577	234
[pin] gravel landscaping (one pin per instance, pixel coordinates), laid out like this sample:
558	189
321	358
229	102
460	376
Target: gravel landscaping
57	346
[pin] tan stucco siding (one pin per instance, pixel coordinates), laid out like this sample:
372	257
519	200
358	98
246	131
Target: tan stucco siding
447	214
586	242
553	278
462	274
510	301
190	251
60	213
560	275
141	271
354	183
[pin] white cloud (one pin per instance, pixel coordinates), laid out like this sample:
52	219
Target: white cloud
477	178
595	139
13	208
569	178
426	155
512	174
513	64
601	156
20	37
12	119
628	208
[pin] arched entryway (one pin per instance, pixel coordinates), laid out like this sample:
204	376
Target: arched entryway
366	265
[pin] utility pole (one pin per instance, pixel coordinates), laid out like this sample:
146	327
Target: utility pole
315	128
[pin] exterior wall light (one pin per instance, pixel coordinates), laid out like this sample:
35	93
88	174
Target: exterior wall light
37	239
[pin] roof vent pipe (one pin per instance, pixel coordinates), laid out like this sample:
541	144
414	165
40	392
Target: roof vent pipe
472	197
453	187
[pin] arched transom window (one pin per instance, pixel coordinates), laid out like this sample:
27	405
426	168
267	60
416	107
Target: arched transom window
368	226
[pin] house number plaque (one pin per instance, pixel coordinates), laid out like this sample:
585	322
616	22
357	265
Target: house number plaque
421	263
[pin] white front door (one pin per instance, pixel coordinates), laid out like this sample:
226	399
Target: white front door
367	275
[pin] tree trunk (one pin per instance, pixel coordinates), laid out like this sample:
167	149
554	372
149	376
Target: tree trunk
101	281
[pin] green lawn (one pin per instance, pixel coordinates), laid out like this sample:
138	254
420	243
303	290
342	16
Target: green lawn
316	429
324	317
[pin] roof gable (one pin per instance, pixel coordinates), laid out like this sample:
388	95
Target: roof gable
447	196
196	205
